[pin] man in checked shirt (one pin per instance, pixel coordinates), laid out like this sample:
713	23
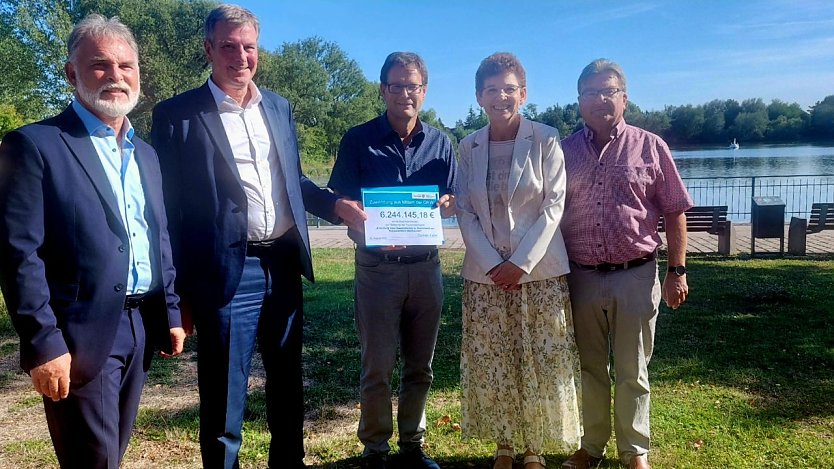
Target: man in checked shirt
620	180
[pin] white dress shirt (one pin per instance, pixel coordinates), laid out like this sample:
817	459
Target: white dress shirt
269	214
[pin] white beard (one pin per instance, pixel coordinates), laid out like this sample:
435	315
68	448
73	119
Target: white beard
112	109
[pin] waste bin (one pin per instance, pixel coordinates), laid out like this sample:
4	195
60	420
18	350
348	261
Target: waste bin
767	220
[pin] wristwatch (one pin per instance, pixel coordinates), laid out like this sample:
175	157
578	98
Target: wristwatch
679	270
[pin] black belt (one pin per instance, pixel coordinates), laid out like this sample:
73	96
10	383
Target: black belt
606	267
135	301
260	248
395	258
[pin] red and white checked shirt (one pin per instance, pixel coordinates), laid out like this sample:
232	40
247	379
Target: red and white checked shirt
614	200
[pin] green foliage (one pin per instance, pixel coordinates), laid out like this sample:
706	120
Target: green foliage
565	119
19	87
472	123
430	117
656	122
822	118
327	90
170	37
10	119
687	122
32	55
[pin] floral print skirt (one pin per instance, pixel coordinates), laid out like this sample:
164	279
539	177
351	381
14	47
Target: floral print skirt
520	366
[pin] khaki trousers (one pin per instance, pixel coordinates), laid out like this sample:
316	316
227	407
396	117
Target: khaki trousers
614	314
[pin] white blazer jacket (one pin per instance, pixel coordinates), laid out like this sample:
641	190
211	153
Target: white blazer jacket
536	202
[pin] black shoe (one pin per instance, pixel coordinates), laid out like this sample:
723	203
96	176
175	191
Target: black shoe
375	461
415	458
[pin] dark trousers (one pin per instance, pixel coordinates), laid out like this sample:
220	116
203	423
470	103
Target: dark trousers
267	309
91	427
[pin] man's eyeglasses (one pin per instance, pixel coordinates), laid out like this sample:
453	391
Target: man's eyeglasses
412	88
509	90
604	92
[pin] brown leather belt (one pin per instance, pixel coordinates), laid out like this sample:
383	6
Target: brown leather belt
606	267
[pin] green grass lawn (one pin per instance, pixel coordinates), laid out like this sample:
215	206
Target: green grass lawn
742	375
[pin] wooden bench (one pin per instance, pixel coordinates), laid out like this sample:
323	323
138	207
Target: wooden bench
711	219
822	218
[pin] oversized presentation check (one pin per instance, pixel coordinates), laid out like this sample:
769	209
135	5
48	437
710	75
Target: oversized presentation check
402	216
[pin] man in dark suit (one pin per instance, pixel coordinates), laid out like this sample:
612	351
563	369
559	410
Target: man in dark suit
85	259
236	200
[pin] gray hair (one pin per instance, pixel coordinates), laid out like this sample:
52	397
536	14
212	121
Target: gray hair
232	14
405	59
599	66
95	26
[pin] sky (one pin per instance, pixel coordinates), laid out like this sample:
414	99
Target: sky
673	52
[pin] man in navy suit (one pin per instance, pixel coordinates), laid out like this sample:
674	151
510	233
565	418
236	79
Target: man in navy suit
236	200
85	258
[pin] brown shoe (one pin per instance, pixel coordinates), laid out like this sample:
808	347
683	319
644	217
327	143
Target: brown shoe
581	460
639	462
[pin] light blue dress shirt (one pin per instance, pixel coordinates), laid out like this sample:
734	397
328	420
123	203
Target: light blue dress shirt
123	174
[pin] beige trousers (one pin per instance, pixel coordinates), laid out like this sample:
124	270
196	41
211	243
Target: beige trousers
614	314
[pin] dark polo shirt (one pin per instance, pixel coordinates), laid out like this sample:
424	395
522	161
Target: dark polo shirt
373	155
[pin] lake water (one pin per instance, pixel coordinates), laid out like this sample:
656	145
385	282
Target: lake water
764	160
794	173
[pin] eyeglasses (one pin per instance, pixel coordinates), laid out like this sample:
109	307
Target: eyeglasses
604	92
412	88
509	90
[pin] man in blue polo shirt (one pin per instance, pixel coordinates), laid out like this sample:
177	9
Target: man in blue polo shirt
399	289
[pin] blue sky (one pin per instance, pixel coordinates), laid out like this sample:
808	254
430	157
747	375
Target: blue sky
673	52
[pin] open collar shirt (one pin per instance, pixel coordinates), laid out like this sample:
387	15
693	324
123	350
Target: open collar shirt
615	197
268	209
373	155
122	172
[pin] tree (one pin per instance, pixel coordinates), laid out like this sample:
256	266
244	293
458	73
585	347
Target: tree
168	33
564	119
753	105
19	86
785	129
778	108
327	90
10	119
472	123
530	111
170	38
731	110
713	130
35	33
822	119
687	123
750	126
429	116
656	122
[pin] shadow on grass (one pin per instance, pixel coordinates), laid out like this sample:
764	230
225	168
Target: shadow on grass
765	327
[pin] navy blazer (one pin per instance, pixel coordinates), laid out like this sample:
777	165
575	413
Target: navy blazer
207	206
63	247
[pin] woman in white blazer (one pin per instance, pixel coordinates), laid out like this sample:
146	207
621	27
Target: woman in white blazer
519	362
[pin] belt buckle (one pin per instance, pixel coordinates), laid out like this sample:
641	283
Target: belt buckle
133	301
605	267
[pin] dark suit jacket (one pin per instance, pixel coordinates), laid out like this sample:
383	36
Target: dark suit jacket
207	207
63	246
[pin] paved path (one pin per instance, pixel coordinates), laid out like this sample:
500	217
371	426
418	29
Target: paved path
820	243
